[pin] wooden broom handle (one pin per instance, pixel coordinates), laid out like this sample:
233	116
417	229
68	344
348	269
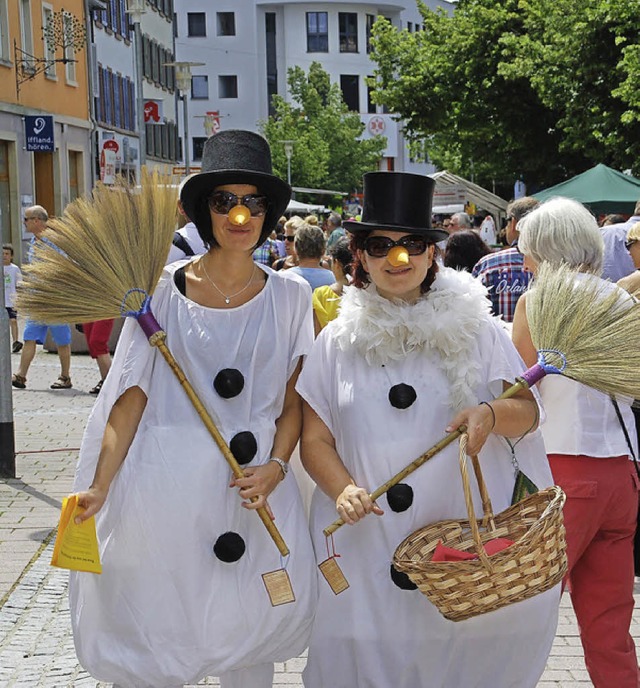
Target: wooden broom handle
159	342
519	384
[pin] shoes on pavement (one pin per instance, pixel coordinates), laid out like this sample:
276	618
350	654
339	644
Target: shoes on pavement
63	382
17	346
19	381
97	388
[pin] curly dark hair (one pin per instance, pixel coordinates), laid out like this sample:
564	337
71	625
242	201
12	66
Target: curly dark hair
361	276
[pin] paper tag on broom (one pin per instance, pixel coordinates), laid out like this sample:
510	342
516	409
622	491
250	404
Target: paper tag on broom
331	570
333	575
278	585
76	546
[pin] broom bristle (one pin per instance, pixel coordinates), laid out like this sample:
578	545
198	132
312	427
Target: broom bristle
595	326
115	241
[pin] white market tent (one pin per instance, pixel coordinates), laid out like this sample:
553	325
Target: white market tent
473	193
304	208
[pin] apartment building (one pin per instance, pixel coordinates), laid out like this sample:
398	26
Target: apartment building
247	46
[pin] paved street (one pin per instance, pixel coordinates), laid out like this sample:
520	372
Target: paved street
36	646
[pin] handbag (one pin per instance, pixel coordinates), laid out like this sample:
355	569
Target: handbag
636	412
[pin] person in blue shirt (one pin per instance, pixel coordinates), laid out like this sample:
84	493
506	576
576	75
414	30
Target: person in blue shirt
310	245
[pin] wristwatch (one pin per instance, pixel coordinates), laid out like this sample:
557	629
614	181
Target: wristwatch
284	466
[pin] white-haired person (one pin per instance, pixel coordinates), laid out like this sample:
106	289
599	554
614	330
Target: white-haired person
590	457
183	551
413	353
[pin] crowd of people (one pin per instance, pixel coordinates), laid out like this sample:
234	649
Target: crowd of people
364	341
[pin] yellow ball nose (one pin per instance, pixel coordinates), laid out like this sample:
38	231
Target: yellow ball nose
239	215
398	256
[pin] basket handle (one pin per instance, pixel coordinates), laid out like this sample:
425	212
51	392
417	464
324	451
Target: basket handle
468	498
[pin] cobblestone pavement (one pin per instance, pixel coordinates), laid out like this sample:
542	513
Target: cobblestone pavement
36	645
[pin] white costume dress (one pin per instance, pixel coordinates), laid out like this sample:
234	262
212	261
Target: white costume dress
166	610
453	354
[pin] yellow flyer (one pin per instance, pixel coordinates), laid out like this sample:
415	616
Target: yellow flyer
76	546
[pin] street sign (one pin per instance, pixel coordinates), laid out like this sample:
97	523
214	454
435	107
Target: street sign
39	132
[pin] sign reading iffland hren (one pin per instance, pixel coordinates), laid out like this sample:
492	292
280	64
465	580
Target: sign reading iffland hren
39	132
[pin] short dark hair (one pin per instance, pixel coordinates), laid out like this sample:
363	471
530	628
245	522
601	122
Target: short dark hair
464	249
361	276
7	247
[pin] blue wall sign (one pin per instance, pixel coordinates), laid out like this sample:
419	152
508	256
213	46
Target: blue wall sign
39	132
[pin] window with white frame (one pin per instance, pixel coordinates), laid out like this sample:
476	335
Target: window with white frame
69	54
4	31
196	24
226	22
49	46
199	87
317	32
26	27
228	86
348	28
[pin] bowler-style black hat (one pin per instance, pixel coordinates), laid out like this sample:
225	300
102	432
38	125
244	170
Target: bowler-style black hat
236	156
399	202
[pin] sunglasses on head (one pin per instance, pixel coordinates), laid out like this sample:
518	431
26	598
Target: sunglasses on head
221	202
379	246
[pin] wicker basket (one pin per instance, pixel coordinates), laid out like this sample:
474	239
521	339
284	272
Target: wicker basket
462	589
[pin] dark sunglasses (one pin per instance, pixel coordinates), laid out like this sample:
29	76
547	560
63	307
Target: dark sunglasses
379	246
290	237
629	244
221	202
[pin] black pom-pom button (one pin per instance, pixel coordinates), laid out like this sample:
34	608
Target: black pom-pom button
243	446
229	547
402	580
400	497
229	383
402	396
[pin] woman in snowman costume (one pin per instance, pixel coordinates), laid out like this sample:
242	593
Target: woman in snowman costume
413	354
183	551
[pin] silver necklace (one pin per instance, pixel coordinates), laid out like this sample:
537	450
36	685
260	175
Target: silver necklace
227	299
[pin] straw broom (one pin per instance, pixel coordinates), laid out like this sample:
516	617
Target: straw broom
580	330
114	246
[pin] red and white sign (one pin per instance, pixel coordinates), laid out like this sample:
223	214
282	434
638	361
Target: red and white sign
377	126
153	112
107	166
212	122
111	145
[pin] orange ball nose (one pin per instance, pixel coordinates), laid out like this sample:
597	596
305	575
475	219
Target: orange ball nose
398	256
239	215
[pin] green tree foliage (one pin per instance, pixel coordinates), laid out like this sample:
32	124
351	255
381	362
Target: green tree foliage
541	89
327	150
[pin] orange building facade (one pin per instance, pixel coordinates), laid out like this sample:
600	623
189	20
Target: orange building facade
45	126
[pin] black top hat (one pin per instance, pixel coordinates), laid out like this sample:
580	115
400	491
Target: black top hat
235	156
399	202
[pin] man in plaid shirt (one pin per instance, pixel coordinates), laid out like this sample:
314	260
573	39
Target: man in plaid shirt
502	273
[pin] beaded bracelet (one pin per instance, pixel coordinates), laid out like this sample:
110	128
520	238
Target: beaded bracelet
493	413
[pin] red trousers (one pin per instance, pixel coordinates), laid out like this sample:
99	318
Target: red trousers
97	335
600	517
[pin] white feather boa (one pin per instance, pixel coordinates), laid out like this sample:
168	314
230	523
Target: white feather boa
445	321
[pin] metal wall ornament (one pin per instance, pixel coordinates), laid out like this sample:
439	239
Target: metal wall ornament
63	32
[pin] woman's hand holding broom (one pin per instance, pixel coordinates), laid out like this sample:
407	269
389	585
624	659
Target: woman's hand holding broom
258	482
